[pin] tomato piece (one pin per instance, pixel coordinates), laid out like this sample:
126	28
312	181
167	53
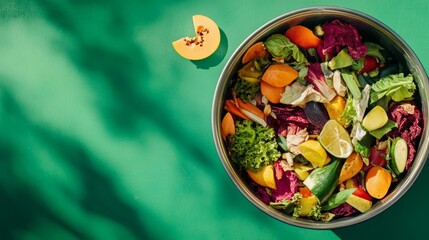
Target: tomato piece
359	192
370	63
377	157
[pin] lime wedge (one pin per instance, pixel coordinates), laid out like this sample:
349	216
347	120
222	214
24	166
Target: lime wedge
335	139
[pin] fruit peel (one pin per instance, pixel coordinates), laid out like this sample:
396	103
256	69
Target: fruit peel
359	203
264	177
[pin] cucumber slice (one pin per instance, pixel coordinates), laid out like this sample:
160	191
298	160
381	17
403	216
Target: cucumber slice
323	181
399	154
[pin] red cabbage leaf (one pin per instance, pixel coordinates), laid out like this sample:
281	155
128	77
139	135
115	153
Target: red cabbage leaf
339	35
316	77
287	183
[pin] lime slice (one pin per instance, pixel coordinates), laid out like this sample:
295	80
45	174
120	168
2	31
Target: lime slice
335	139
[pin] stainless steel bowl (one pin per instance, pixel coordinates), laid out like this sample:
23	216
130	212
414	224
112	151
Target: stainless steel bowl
370	28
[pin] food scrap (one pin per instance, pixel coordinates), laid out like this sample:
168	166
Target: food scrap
321	121
205	42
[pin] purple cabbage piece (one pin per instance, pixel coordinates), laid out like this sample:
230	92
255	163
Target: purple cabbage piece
409	126
261	193
289	117
287	183
339	35
317	114
357	179
316	77
344	210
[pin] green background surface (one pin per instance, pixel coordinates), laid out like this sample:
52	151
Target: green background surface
105	132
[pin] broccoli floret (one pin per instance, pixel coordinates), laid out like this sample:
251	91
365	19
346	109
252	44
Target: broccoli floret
253	146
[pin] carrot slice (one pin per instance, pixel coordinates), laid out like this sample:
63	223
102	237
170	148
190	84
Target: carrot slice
227	125
377	181
351	167
256	50
302	37
279	75
251	108
273	94
232	108
305	192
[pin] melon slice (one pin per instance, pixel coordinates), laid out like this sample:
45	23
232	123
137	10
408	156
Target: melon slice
205	42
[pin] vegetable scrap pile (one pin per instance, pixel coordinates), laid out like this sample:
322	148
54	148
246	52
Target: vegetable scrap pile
321	121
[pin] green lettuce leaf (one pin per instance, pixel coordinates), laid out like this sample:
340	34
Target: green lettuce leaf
349	112
396	86
279	46
253	146
352	83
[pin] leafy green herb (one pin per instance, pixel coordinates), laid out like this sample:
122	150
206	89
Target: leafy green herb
396	86
379	133
279	46
374	50
362	150
337	199
358	64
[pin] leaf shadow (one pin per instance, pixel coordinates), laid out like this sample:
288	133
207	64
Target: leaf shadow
27	204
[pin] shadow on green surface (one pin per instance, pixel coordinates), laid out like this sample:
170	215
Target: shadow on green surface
34	197
88	200
95	202
100	195
217	57
56	181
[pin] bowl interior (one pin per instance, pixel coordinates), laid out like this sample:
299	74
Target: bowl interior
372	30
